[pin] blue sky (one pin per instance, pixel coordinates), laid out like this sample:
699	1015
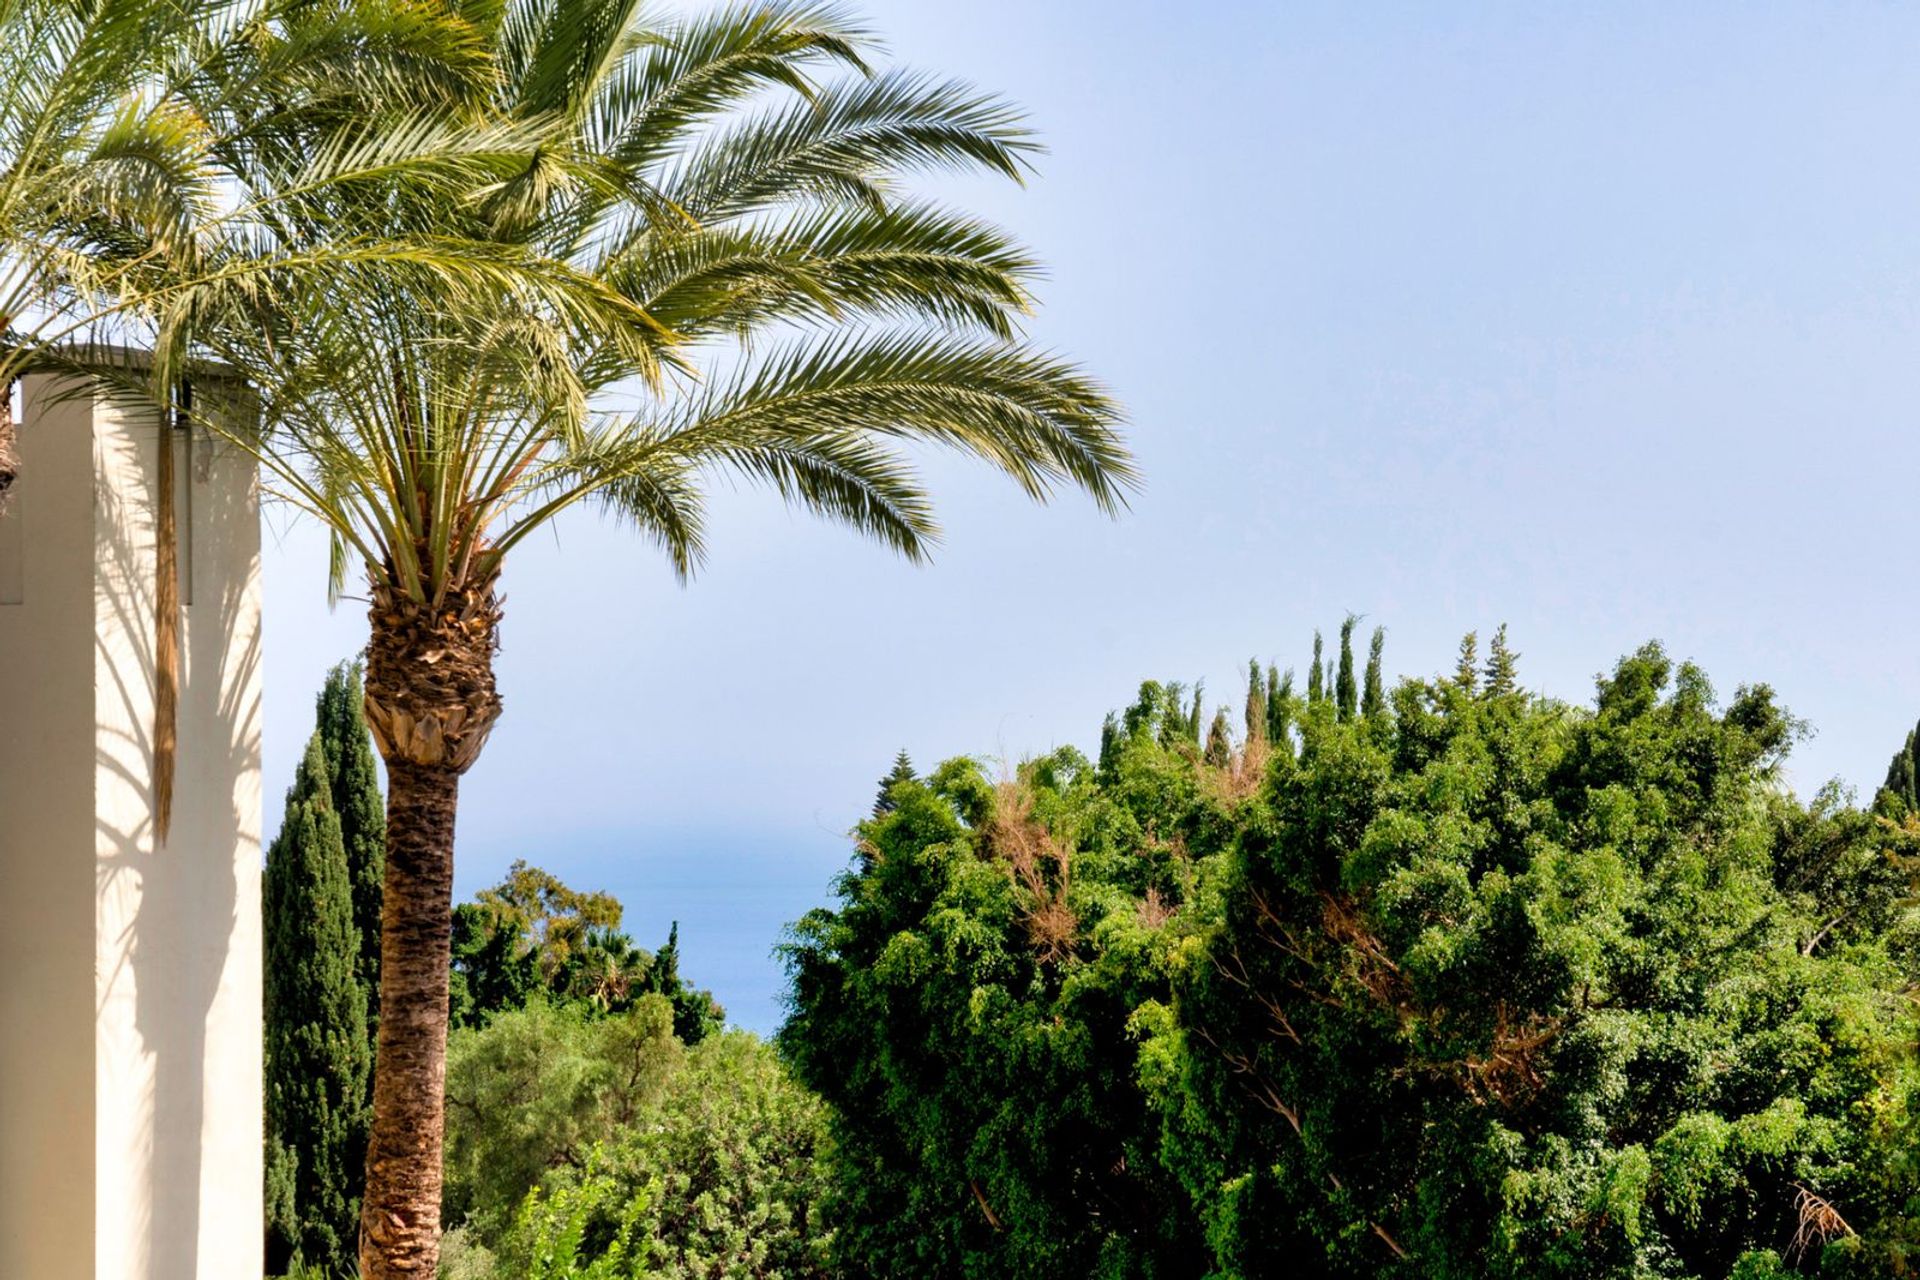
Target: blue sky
1598	321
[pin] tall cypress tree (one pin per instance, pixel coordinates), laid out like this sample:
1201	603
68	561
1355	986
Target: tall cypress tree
1346	692
1373	693
1256	701
1110	743
1900	794
355	788
1316	675
1280	709
318	1057
1220	741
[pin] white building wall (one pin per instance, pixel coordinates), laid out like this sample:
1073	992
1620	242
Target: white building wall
129	974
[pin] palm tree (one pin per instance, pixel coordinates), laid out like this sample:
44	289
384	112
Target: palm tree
776	306
165	164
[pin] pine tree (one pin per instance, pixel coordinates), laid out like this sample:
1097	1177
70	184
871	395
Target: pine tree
1220	741
1316	675
1194	716
1256	702
902	771
355	789
1373	695
1466	673
1900	794
1503	666
1346	693
318	1056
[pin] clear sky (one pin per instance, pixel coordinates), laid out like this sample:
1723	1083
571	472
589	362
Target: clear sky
1601	321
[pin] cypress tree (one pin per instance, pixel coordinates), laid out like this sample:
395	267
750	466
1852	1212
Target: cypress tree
355	788
1346	693
902	771
1256	702
318	1057
1900	794
1316	675
1109	744
1220	741
1503	666
695	1015
1373	695
1280	709
1193	717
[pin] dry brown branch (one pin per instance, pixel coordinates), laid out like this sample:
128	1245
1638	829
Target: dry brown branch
993	1219
1039	865
1819	1223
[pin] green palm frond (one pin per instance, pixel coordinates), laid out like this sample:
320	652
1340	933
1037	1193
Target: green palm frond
1032	416
850	142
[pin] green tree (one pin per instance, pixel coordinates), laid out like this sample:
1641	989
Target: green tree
967	1012
1503	666
1219	752
1373	694
902	771
531	937
1256	707
1281	708
1490	986
695	1014
1520	991
1346	691
1466	672
726	1176
317	1051
1899	795
1316	675
355	779
727	199
535	1088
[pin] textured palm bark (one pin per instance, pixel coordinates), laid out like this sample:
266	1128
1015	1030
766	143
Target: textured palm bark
430	703
400	1215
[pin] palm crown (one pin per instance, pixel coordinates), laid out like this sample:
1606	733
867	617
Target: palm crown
764	300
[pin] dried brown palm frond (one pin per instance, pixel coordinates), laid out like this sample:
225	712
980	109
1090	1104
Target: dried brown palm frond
1819	1223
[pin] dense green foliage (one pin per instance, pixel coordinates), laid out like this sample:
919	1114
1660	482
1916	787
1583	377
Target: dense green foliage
321	926
362	810
1456	982
590	1071
318	1055
532	938
651	1159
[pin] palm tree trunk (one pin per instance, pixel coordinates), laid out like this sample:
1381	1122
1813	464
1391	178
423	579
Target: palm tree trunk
430	704
400	1214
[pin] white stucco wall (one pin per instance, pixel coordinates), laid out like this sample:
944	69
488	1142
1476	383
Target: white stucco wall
130	1074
